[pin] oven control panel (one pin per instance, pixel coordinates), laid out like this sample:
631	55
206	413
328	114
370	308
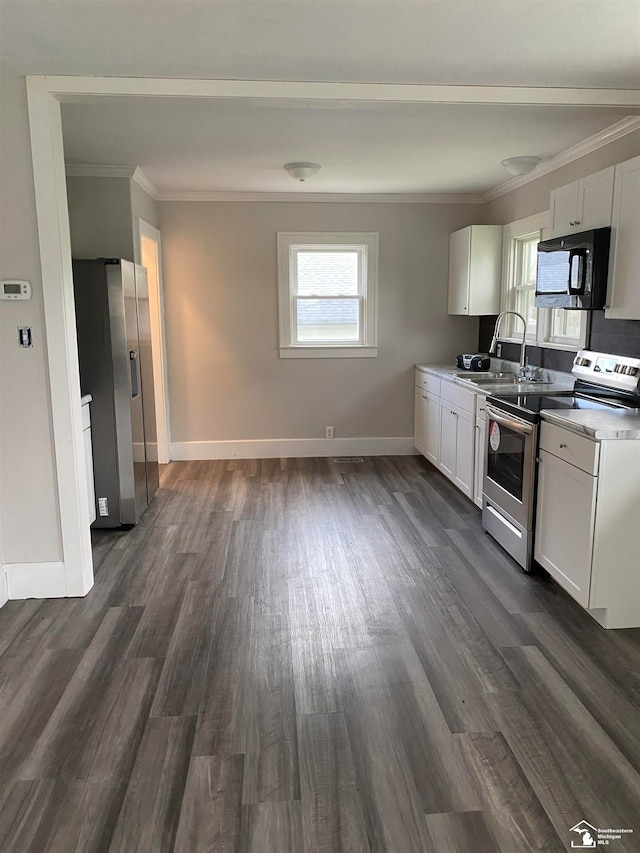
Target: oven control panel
614	371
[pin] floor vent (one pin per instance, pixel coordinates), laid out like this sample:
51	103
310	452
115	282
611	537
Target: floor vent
348	459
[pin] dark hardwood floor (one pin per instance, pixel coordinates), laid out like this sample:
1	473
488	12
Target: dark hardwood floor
300	656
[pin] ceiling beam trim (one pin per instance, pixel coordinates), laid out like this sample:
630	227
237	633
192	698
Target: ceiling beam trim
78	88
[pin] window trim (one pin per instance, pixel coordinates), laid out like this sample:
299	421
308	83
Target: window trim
520	229
367	244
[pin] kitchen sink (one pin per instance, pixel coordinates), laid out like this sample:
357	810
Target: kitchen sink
495	379
498	378
488	376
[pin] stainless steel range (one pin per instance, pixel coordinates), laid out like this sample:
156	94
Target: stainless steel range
508	507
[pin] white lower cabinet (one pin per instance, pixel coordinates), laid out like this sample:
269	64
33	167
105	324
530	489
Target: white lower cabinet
432	451
457	446
463	475
447	461
420	420
445	433
587	531
479	461
564	538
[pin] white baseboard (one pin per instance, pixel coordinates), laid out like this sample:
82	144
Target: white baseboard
35	580
271	448
4	593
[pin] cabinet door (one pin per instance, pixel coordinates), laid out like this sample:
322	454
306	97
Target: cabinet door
479	463
595	199
465	452
420	421
564	209
459	268
447	462
623	291
433	429
564	524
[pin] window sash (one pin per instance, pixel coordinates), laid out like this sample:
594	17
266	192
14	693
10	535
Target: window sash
365	245
359	341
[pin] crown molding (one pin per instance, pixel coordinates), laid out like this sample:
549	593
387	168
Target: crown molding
98	170
146	183
355	198
574	152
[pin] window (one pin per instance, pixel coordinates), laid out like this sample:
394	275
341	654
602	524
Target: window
328	295
545	326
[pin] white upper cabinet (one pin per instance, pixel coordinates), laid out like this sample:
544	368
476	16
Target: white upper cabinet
475	269
623	302
583	205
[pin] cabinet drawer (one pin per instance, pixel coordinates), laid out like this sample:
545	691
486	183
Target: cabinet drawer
573	448
460	397
428	382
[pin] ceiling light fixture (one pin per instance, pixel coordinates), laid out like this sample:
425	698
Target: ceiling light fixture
520	165
301	171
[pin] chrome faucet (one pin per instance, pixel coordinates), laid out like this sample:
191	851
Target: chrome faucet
522	372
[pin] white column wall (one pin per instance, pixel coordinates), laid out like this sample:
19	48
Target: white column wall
29	517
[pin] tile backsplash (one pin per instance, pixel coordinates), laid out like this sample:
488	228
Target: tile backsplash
619	337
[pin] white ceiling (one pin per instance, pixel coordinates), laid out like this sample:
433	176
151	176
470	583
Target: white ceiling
240	146
575	43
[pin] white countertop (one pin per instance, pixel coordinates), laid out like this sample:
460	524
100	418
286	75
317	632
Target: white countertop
556	382
600	425
614	424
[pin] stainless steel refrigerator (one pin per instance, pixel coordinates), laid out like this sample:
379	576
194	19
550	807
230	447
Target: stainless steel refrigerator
114	350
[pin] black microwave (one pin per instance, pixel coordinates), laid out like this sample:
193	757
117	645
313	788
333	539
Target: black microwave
572	270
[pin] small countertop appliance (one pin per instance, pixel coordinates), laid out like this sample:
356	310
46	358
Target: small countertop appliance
475	361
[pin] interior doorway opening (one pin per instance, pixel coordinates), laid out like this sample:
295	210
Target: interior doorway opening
151	258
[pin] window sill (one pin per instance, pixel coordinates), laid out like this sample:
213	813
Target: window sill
328	352
542	344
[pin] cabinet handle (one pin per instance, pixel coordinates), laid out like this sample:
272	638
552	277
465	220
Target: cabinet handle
562	445
423	397
575	222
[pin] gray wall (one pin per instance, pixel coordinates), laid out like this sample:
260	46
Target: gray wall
143	206
29	521
103	216
226	380
100	217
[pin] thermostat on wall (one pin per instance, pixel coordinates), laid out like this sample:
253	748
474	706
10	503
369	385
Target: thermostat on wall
15	289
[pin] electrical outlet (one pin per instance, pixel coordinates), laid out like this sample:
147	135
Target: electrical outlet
499	350
328	432
103	506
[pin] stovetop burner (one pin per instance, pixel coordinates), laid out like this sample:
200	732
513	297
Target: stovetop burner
603	382
529	406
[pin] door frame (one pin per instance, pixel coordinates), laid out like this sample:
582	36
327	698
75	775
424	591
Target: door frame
44	96
159	346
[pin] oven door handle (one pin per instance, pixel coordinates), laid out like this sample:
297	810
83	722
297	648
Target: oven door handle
514	424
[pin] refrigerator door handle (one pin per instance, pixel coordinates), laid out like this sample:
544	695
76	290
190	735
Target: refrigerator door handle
135	373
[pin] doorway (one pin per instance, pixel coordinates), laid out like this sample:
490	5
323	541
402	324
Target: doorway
151	258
